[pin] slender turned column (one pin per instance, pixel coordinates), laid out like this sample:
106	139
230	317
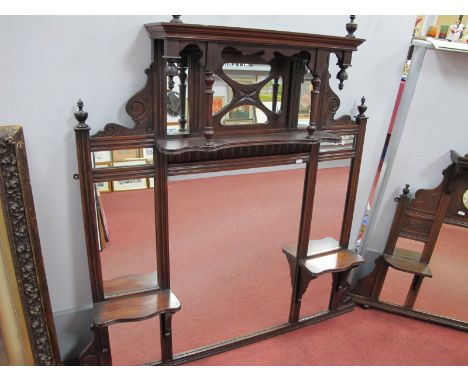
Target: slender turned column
182	92
304	230
314	101
98	352
83	151
275	95
171	72
209	132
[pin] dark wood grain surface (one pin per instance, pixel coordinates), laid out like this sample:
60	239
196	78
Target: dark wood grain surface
135	307
334	262
316	247
195	32
194	144
130	284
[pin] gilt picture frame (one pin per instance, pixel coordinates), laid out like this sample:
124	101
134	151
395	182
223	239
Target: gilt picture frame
26	319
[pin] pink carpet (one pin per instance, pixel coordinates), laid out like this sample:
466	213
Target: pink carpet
232	279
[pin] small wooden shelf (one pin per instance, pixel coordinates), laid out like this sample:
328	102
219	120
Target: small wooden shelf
332	262
130	284
198	144
325	256
316	247
135	307
408	266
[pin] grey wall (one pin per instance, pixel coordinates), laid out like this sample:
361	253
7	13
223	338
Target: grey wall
432	120
50	62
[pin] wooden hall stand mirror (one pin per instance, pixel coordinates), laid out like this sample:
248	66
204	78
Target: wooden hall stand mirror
207	140
416	231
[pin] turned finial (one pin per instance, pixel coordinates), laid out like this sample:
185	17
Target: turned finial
81	115
176	19
351	27
404	194
342	76
362	108
406	190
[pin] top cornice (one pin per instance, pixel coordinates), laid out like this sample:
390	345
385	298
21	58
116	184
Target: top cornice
206	33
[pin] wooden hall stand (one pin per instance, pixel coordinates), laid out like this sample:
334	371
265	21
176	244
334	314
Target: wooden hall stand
203	143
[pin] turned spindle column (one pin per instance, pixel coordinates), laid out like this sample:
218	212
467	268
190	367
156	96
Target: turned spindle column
314	99
208	131
275	95
182	92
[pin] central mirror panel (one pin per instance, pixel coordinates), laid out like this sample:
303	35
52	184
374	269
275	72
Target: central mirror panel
227	266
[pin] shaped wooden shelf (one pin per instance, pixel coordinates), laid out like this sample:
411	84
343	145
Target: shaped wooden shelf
408	266
135	308
130	284
325	256
198	144
339	261
316	247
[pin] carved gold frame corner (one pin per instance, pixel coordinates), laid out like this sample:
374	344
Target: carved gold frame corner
26	320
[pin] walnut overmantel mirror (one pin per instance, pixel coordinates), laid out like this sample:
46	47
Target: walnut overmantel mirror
180	262
424	268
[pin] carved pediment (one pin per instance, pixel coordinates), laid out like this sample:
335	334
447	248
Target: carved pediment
330	103
139	108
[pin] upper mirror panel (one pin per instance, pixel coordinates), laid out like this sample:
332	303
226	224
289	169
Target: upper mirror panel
122	158
305	102
244	115
246	73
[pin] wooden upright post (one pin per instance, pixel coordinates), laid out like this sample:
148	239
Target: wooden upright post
304	229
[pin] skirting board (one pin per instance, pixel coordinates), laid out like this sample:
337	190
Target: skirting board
73	331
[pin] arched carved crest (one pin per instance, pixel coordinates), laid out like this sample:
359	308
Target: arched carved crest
428	199
139	108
